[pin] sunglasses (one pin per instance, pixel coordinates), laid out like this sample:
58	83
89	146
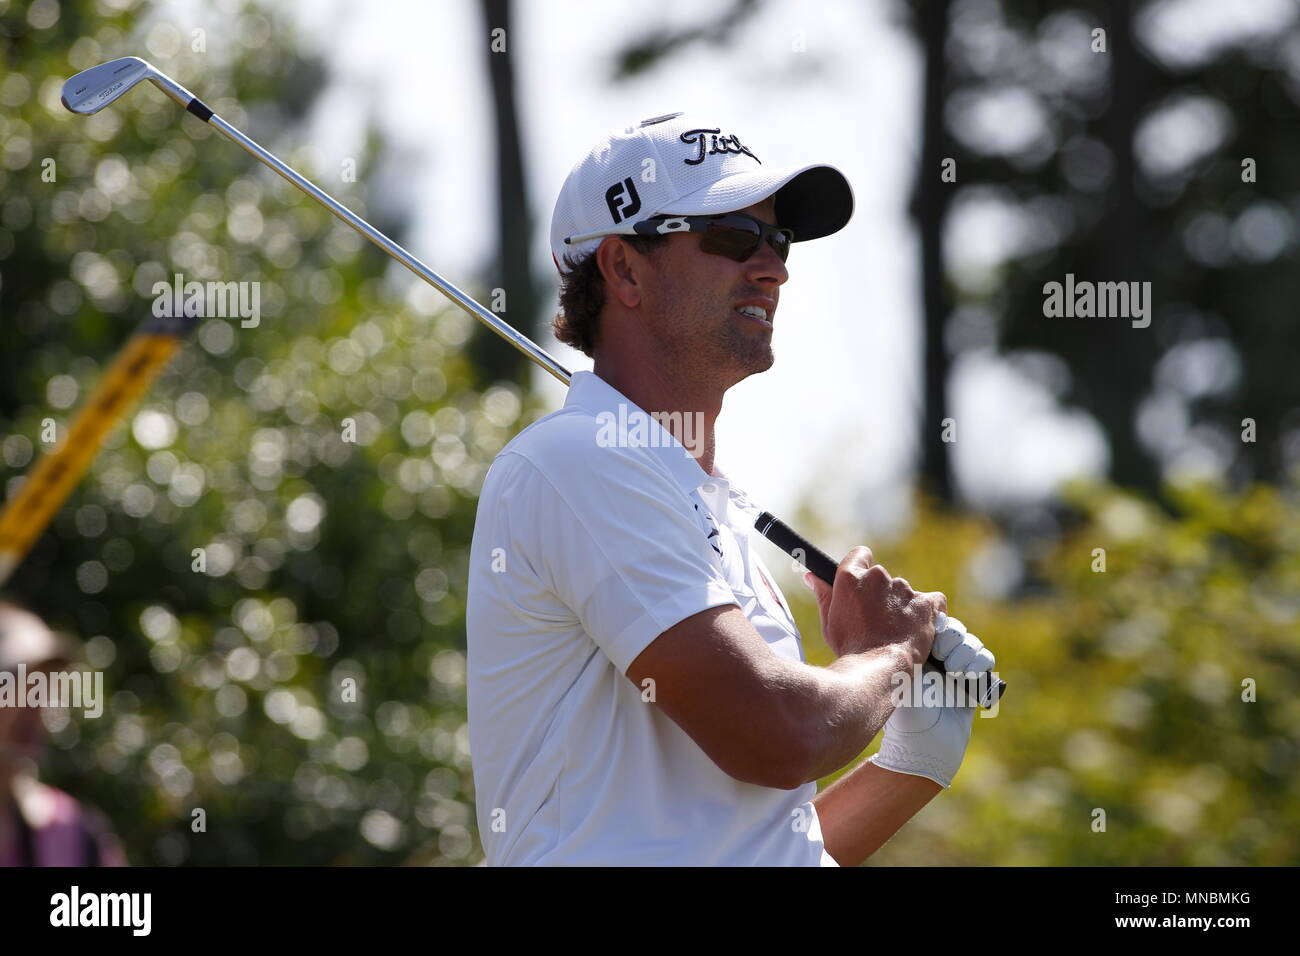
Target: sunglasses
736	235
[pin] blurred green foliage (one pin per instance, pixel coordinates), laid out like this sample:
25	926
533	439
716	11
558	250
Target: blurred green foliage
327	560
1126	686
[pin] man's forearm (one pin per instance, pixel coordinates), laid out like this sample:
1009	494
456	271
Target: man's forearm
859	812
841	708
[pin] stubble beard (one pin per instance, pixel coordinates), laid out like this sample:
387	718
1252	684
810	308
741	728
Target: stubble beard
739	346
714	345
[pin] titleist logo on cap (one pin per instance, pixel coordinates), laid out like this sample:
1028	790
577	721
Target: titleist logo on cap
711	141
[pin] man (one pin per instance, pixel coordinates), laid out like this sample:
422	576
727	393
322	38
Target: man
638	693
40	825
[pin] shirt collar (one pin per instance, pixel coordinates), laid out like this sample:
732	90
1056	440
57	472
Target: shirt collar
591	393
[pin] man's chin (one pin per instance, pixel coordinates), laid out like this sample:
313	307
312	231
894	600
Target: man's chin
754	362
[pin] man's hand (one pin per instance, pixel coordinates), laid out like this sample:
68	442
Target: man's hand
868	609
931	741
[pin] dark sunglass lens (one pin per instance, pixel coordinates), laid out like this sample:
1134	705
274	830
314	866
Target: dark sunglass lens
736	242
780	241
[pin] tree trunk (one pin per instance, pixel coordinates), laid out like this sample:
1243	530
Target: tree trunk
493	358
930	199
1124	254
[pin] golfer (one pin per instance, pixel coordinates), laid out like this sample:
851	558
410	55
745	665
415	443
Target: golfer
638	692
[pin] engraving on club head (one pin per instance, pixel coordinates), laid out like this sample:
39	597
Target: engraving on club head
93	89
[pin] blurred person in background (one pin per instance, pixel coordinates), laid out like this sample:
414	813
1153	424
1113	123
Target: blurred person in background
39	824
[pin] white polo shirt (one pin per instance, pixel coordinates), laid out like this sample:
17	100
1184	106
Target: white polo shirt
585	550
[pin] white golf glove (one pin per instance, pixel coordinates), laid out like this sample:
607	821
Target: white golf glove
931	741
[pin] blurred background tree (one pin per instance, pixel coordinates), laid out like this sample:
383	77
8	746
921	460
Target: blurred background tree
511	270
1124	142
326	560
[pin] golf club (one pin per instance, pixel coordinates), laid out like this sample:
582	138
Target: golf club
93	89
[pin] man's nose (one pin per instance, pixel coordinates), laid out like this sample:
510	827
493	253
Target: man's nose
766	266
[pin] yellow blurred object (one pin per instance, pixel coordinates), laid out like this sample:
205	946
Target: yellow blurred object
50	482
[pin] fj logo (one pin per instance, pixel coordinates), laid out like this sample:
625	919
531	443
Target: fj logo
622	200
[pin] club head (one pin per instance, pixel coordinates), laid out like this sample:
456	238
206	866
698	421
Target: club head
91	90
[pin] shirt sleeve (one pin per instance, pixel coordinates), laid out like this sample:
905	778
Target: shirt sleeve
613	536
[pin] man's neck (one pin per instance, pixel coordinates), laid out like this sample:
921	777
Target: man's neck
653	391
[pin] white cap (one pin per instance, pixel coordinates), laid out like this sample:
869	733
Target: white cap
679	165
25	639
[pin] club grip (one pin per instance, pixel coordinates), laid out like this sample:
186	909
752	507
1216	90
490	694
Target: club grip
792	543
820	563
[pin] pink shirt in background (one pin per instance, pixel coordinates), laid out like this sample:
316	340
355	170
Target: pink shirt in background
59	832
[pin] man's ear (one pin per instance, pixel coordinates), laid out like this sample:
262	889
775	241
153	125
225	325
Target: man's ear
621	268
